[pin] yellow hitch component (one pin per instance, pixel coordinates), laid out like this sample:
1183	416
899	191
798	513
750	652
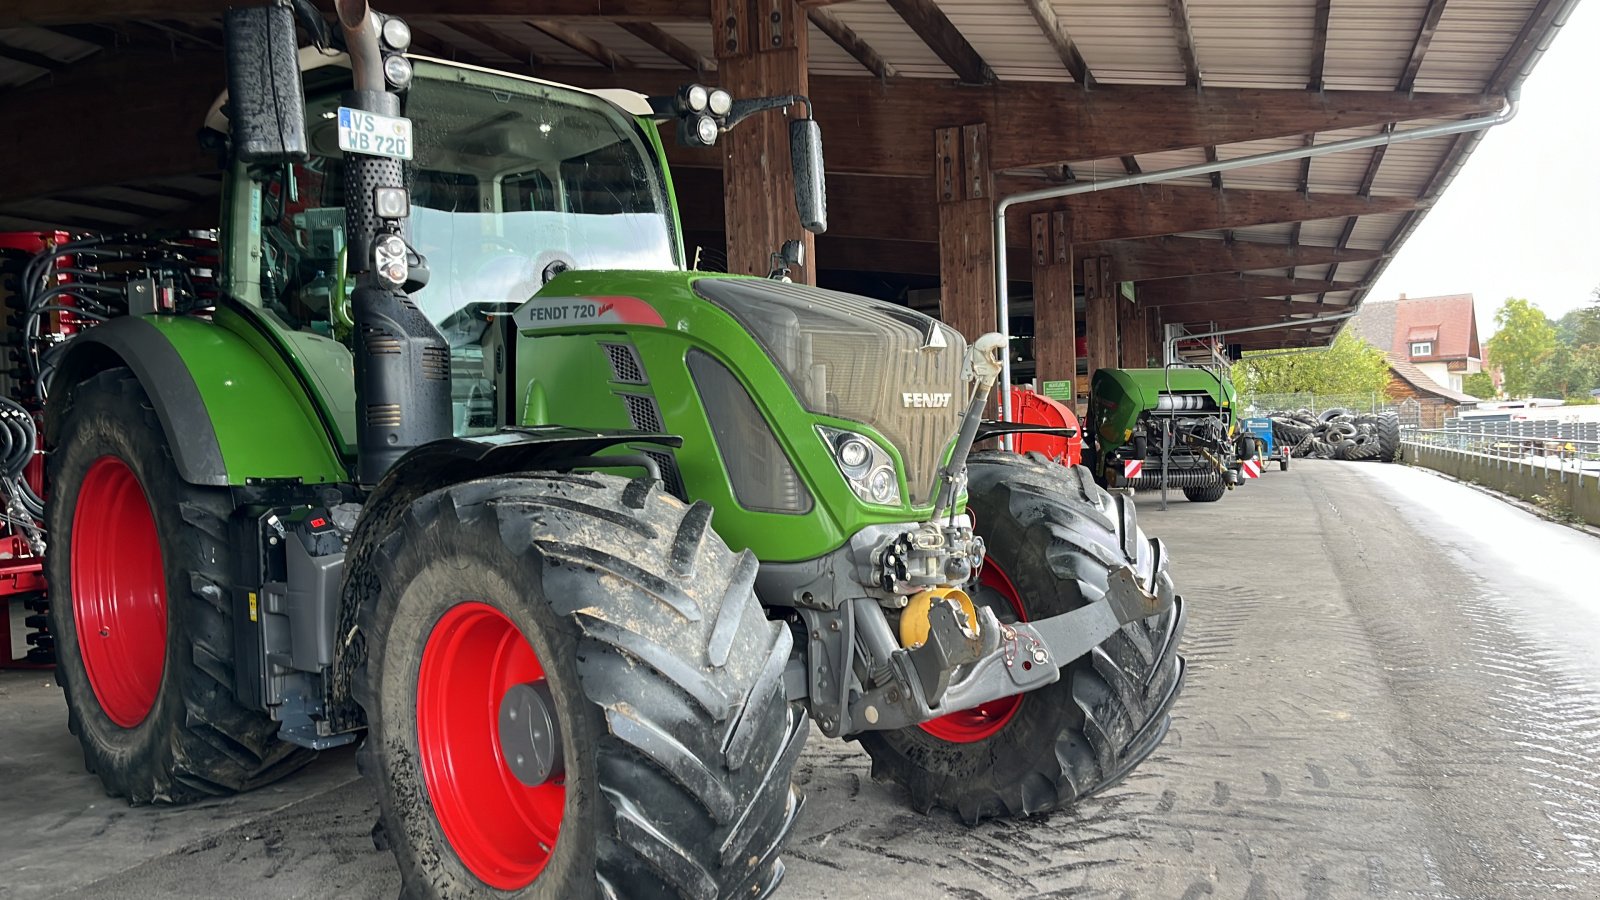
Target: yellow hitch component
914	618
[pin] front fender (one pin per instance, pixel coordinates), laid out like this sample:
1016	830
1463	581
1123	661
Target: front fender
230	416
428	468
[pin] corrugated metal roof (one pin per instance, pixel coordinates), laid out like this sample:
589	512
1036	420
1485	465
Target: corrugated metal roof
1241	43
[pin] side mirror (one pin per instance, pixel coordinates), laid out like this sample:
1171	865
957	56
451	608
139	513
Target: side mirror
810	186
266	104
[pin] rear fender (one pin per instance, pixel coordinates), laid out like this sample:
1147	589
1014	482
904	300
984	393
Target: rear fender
229	415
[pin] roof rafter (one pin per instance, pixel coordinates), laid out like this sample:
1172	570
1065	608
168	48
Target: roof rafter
1184	35
851	43
1419	46
669	45
1056	33
582	43
942	37
500	42
1319	44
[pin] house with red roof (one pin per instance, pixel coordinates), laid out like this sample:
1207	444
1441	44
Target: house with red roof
1431	344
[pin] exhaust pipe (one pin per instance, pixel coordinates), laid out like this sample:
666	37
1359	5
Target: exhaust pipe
402	361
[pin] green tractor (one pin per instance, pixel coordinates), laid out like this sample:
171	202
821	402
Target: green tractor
1166	428
465	464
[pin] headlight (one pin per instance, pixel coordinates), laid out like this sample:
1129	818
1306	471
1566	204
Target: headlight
696	97
721	102
397	34
865	466
706	130
397	71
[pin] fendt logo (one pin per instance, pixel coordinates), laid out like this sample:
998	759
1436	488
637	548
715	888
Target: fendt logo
922	400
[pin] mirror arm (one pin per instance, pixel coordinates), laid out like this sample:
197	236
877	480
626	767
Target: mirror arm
744	109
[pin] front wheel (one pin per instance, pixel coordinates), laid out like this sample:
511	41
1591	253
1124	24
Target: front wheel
571	691
1048	529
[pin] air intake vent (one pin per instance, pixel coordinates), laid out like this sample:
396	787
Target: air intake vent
625	364
436	363
380	343
383	415
642	412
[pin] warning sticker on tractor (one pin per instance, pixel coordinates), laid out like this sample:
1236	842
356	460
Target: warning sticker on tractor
544	313
1251	468
1132	467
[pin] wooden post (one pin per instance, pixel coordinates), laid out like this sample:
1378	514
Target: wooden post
1130	334
1055	333
761	48
964	190
1155	336
1100	313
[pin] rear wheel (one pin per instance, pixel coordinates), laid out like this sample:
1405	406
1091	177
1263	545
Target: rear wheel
137	568
1047	528
572	691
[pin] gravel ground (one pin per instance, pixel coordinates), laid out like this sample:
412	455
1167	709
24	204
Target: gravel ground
1394	688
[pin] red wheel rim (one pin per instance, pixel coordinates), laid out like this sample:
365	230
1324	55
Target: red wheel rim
986	719
119	592
502	829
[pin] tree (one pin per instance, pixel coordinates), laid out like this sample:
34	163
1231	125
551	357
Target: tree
1580	327
1523	339
1479	384
1349	366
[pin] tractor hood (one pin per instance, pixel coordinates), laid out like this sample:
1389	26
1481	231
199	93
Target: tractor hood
863	360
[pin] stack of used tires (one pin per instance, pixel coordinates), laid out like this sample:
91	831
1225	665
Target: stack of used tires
1339	434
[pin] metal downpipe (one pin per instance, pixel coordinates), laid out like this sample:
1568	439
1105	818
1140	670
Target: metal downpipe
1378	140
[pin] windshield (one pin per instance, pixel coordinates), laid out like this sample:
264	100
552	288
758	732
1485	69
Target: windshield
515	182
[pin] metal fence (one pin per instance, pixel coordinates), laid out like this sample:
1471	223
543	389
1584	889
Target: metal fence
1524	444
1372	402
1532	429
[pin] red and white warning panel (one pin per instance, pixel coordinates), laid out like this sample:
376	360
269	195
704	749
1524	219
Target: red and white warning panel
1131	468
1251	468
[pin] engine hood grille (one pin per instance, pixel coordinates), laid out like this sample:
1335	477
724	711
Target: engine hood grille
851	357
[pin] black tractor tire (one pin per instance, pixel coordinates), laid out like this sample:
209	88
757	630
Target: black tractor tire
196	740
1209	494
1048	527
1283	461
1388	430
1328	415
664	674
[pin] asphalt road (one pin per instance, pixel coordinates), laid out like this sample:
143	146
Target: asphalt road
1394	690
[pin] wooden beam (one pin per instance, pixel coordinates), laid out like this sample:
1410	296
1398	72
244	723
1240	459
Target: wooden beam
97	35
1131	332
852	43
1534	30
158	105
1056	33
500	42
1130	164
1178	257
944	39
669	45
30	57
1055	350
1212	288
1319	44
18	13
1036	124
863	206
583	43
1239	310
1100	312
1184	35
1419	45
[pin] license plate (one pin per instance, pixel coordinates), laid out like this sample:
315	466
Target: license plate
373	134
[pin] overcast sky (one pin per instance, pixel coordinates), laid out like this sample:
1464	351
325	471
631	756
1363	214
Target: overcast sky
1522	219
